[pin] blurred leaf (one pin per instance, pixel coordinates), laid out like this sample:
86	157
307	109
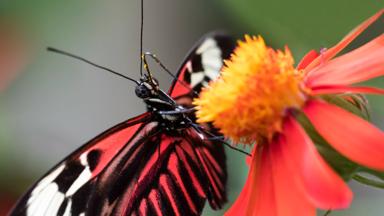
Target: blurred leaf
368	181
301	24
350	102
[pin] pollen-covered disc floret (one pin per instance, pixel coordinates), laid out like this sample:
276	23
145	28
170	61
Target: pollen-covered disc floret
257	87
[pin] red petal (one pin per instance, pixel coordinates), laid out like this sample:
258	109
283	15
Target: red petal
308	58
345	89
330	53
257	196
324	188
352	136
361	64
287	183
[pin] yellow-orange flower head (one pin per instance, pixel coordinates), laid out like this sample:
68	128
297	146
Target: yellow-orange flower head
257	86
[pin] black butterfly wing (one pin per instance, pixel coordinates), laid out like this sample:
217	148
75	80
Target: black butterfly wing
202	64
65	188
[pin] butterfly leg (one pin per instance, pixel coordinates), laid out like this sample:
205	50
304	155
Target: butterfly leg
199	129
216	138
157	60
173	112
146	67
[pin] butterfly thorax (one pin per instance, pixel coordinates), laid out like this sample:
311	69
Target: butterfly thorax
170	114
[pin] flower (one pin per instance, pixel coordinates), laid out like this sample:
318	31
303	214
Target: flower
257	100
14	55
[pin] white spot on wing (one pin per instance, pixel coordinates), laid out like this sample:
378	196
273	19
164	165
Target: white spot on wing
207	44
68	208
188	65
83	159
55	203
83	178
46	199
212	74
196	78
211	61
39	205
45	182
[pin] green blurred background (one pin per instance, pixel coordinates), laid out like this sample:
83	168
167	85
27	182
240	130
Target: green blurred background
50	105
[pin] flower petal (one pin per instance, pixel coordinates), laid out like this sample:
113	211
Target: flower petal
330	53
335	89
286	183
359	65
307	59
257	196
323	186
352	136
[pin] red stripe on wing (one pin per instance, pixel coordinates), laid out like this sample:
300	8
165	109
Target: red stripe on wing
154	200
165	185
210	153
187	151
174	161
181	87
111	145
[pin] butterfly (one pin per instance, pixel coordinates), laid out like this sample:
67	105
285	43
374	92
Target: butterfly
158	163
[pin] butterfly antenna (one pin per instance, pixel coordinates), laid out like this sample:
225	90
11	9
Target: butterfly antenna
51	49
141	37
143	62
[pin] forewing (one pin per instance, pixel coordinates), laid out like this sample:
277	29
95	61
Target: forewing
66	187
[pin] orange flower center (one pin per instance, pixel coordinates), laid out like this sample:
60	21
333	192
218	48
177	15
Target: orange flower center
250	99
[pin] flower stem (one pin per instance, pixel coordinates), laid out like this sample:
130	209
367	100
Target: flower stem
327	213
368	181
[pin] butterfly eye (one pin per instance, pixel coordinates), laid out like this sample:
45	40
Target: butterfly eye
142	91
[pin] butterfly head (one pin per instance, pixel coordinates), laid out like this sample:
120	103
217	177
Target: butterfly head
148	87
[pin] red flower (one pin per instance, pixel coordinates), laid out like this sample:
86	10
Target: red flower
14	53
256	101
